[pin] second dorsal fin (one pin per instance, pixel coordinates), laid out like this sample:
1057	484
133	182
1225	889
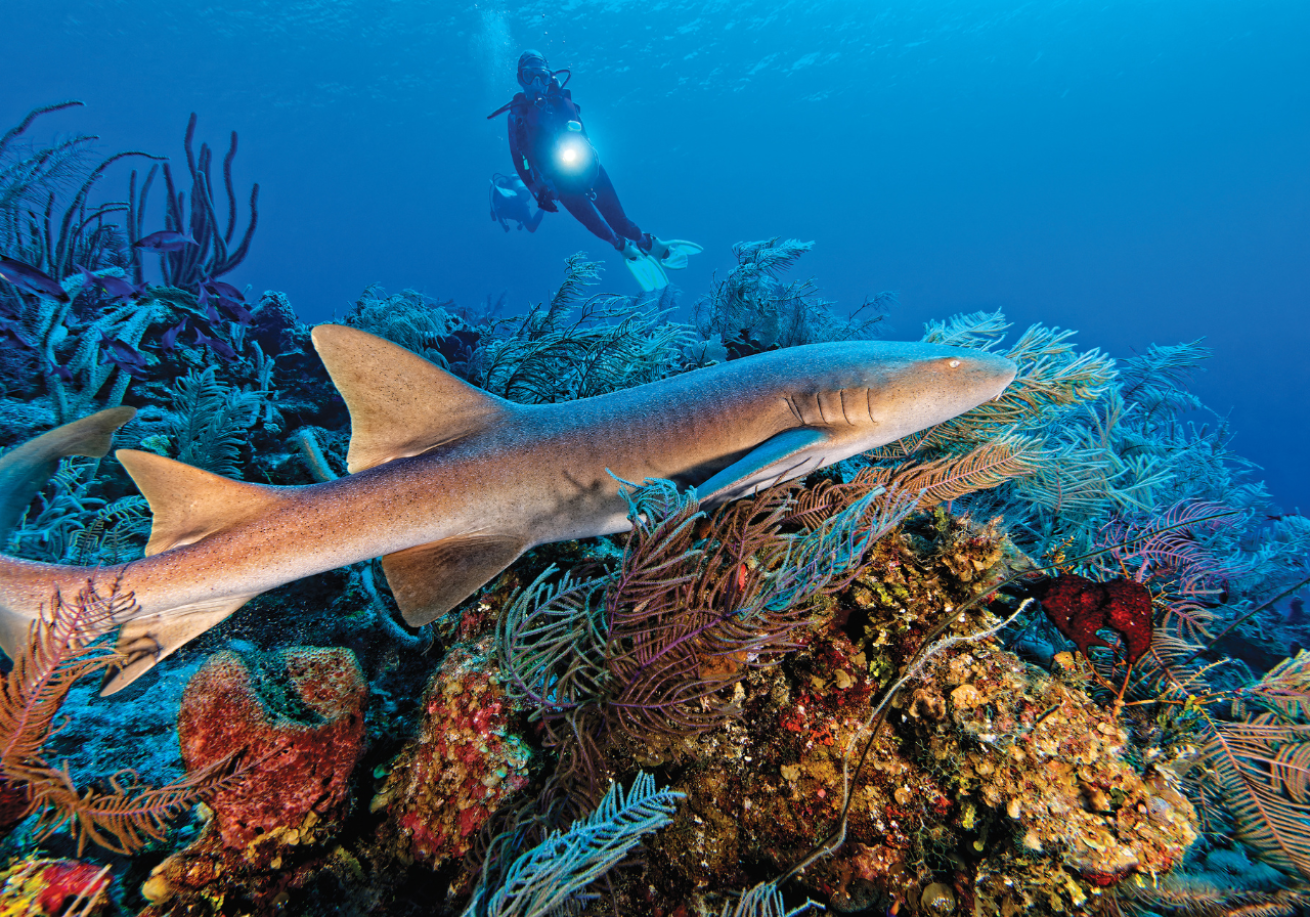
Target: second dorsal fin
190	503
400	404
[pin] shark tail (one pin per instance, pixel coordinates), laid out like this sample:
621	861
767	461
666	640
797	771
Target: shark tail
20	607
28	589
25	469
81	604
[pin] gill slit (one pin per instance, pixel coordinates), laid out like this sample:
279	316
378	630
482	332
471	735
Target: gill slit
794	408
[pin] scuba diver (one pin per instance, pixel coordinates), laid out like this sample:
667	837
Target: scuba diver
511	202
556	161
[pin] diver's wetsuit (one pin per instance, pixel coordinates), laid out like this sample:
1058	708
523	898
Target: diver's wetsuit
535	131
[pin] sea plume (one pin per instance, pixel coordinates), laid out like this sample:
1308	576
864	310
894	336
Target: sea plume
62	650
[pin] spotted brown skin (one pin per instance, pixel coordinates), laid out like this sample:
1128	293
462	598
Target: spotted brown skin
450	484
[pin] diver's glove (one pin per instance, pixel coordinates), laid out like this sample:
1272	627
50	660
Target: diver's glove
546	202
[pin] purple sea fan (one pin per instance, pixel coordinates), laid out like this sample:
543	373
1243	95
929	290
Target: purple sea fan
656	647
1175	546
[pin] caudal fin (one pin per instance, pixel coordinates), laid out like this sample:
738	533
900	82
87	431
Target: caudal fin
17	611
26	588
25	469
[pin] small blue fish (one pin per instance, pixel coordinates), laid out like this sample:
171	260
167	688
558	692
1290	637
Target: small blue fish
61	371
219	347
124	356
118	288
169	341
238	312
206	303
114	287
230	299
166	240
28	278
222	290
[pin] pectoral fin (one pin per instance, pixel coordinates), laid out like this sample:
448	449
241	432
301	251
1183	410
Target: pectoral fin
780	458
431	579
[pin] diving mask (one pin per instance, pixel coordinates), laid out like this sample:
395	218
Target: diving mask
531	78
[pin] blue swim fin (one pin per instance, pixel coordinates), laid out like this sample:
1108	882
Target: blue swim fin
676	252
647	272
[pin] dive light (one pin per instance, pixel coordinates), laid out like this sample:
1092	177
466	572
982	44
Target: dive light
574	153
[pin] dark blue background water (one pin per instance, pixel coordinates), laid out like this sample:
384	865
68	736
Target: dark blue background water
1135	170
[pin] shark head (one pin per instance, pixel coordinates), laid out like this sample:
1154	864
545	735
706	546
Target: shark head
909	387
865	394
846	398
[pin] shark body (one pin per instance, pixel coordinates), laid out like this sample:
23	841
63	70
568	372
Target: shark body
449	484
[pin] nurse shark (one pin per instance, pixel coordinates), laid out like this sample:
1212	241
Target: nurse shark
450	484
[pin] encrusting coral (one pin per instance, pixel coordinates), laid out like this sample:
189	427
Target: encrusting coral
995	788
41	887
461	767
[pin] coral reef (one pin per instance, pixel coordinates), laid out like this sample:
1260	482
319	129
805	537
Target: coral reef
463	765
752	310
298	717
995	787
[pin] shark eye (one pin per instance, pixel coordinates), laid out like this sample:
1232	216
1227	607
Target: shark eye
953	363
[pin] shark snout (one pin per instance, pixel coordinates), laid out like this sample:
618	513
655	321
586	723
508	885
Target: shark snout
976	377
936	384
996	372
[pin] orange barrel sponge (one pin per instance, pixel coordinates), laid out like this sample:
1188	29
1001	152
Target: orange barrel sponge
299	725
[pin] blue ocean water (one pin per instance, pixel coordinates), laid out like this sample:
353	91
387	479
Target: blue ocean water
1132	170
1136	171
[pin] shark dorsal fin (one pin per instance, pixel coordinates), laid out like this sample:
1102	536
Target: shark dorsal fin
189	503
400	404
430	579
